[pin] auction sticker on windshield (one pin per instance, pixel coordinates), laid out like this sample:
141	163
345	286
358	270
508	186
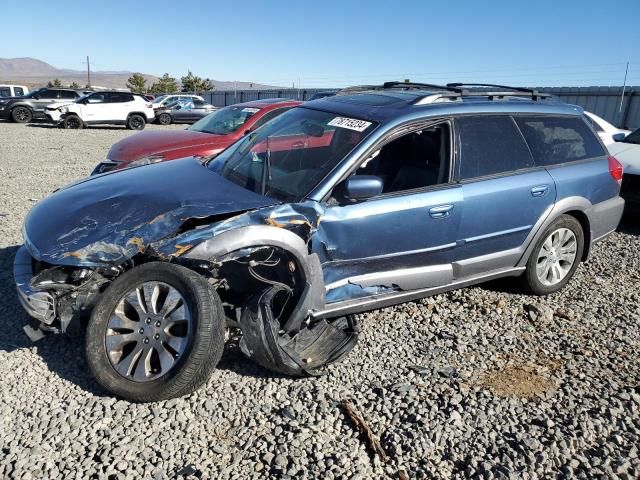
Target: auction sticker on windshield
350	123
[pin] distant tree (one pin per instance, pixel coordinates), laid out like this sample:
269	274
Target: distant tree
137	83
193	83
165	84
56	83
74	85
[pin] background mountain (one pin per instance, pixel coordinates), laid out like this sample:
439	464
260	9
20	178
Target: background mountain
36	73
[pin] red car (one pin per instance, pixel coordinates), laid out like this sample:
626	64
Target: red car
208	136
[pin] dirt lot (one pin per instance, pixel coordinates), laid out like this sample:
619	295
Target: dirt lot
483	382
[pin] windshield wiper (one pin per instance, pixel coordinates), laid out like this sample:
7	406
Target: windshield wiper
266	169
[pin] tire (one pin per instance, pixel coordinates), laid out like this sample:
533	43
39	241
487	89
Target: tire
549	267
21	115
136	122
72	122
197	351
165	119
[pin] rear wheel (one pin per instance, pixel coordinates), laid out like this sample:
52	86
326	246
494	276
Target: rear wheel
72	122
555	257
156	333
21	115
136	122
164	119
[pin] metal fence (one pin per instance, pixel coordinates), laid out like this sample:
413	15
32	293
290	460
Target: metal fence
603	101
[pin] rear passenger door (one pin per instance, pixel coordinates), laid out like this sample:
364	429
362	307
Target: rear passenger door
120	105
572	154
504	193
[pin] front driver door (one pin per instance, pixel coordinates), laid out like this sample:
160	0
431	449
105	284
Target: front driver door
403	239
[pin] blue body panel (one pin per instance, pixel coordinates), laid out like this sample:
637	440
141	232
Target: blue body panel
589	179
500	212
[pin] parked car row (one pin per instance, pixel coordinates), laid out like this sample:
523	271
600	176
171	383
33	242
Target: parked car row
71	108
283	219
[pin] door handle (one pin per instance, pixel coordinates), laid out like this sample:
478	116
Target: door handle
297	144
441	211
539	191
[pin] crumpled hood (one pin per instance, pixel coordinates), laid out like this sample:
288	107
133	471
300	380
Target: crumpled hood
107	219
149	143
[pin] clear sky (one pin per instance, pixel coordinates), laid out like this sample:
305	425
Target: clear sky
336	43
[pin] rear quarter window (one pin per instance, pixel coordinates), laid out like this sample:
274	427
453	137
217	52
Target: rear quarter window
556	140
490	145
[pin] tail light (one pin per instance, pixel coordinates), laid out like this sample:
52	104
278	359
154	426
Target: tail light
615	169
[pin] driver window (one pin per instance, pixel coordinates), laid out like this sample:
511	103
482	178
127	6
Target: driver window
97	98
416	160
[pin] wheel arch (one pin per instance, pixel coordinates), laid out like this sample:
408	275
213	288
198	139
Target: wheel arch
255	236
582	217
142	114
577	207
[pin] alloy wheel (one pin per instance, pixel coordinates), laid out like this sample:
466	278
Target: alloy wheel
556	257
148	331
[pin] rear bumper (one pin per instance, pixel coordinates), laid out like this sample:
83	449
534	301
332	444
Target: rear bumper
604	217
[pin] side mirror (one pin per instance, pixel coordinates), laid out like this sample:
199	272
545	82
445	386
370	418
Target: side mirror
362	187
37	97
618	137
247	131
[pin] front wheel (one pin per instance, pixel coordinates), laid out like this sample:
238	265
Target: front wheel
21	115
72	122
164	119
555	257
136	122
156	333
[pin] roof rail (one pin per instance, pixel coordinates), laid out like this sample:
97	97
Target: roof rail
399	85
534	94
450	91
449	87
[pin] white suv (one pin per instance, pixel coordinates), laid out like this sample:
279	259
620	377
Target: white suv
115	108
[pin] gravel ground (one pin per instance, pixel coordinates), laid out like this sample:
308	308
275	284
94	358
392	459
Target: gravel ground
484	382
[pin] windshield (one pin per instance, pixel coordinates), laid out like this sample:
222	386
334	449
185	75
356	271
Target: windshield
159	99
633	137
83	97
224	121
287	157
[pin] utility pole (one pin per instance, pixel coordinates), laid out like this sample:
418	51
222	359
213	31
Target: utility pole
88	72
624	87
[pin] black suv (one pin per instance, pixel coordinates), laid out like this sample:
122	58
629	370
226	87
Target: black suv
26	108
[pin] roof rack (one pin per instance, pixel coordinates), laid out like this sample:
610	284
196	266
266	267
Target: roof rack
398	85
513	91
450	91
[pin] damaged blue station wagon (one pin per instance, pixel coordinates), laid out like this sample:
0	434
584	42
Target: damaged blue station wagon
370	198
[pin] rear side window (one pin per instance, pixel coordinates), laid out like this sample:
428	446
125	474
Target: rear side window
121	97
490	145
49	94
5	92
555	140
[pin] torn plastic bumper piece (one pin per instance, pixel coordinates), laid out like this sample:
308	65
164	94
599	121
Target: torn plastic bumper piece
38	304
293	353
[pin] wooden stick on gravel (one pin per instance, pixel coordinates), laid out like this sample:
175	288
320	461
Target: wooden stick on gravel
364	429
